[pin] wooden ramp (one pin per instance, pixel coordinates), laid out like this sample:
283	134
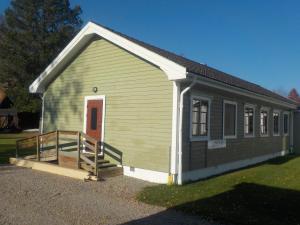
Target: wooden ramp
71	150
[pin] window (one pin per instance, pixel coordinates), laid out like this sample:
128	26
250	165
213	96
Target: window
264	122
200	115
94	119
286	123
249	121
229	119
276	119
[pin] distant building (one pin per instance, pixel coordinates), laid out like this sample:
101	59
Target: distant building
293	95
8	114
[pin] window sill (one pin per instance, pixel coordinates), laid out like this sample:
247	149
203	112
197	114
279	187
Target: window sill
249	136
199	139
286	135
276	135
264	135
230	137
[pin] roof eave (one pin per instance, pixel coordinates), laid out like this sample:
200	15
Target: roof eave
229	88
173	70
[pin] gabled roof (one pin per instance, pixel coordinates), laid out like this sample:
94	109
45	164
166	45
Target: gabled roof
176	67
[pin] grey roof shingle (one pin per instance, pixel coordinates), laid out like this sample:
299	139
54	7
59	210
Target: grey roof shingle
206	71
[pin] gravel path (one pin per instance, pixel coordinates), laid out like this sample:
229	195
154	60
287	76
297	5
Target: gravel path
29	197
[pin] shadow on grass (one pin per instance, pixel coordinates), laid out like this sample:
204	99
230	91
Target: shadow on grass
245	204
282	160
275	161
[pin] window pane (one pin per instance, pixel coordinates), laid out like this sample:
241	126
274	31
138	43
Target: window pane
200	118
229	119
264	122
285	123
276	123
248	117
196	105
203	129
195	117
204	107
94	119
203	117
195	129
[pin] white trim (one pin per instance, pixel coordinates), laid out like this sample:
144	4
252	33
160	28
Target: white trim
43	113
291	132
279	119
180	131
215	170
95	97
173	70
199	138
247	105
236	90
175	114
236	117
147	175
264	108
288	124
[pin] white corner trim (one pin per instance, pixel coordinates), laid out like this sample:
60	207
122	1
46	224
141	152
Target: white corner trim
175	116
173	70
236	117
211	171
147	175
95	97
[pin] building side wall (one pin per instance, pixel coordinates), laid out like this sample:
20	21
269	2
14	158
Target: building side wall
138	117
196	154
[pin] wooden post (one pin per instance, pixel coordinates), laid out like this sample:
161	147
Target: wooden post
38	148
96	158
57	145
78	148
17	148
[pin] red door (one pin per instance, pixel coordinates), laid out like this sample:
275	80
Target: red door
94	118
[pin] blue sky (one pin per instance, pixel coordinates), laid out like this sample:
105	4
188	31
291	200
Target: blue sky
256	40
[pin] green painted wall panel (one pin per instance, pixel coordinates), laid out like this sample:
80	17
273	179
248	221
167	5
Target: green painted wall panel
138	103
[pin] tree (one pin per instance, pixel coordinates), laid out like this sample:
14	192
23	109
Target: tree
32	33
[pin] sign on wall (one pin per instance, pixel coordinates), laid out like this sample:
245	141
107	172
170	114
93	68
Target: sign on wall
214	144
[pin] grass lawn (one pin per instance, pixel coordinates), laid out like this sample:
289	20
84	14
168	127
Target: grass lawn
8	145
266	194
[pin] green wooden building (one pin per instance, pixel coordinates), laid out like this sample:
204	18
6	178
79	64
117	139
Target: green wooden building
160	116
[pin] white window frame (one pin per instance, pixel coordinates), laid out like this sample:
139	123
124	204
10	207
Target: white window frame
268	123
288	124
236	117
254	114
199	138
279	119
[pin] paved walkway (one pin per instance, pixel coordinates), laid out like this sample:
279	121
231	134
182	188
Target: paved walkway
29	197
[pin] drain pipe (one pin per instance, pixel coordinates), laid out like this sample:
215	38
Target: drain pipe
179	181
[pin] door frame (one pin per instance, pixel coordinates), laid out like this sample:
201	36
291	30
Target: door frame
95	97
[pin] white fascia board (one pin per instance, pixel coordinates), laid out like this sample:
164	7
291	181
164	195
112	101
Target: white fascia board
173	70
226	87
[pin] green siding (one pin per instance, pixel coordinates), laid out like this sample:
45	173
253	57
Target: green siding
138	119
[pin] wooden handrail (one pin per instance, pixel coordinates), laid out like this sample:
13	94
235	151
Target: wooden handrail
33	137
89	138
68	132
81	138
